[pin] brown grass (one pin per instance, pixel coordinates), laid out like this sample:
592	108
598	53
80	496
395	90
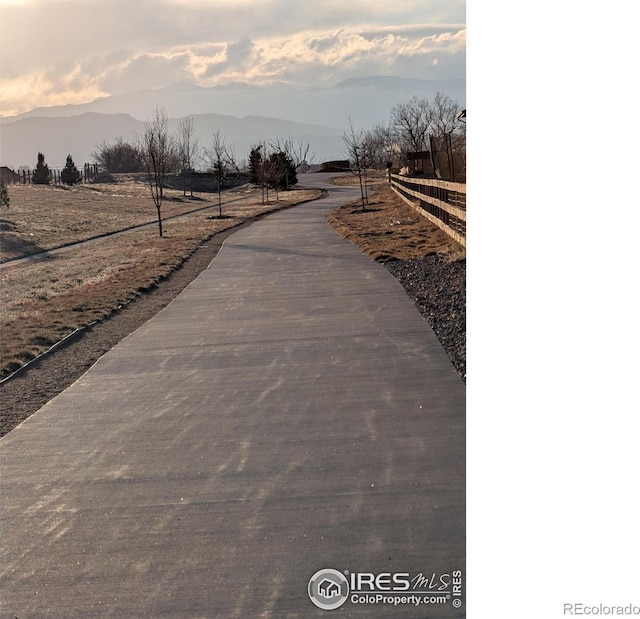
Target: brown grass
43	301
374	179
44	217
389	229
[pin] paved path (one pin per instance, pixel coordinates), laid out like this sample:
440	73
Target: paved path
289	411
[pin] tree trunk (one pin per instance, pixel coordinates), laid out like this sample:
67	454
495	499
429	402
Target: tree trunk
361	190
159	220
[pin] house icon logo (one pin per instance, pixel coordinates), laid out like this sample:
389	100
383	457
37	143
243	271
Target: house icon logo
328	589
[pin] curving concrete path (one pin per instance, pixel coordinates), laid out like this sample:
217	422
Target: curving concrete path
289	411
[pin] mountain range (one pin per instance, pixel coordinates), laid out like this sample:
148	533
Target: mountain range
79	136
244	114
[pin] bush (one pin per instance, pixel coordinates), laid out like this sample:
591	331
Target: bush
4	195
119	157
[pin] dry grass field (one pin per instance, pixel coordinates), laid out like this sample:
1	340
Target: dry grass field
42	301
43	217
389	229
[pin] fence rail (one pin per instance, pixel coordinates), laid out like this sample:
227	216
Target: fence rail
443	203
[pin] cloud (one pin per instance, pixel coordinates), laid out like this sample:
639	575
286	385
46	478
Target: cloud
235	57
146	71
122	45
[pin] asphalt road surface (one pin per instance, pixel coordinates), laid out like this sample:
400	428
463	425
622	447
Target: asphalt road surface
290	411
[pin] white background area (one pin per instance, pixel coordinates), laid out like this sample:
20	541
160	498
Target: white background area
553	336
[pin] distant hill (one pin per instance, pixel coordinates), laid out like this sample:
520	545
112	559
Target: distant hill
364	100
79	135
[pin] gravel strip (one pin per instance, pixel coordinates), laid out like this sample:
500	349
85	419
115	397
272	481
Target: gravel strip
438	289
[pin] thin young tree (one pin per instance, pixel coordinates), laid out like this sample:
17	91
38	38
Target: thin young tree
259	169
160	152
357	151
189	150
277	172
221	161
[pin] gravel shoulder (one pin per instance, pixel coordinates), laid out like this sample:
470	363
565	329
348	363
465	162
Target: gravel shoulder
433	277
437	287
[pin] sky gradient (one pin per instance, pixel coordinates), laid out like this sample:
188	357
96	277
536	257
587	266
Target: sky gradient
78	50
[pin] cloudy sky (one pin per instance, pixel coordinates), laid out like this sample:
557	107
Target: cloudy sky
71	51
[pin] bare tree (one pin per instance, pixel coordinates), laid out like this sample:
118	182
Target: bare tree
299	153
160	154
189	149
221	160
358	151
449	135
383	145
279	170
262	172
444	115
411	123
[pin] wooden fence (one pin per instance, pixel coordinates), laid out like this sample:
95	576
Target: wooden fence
25	177
442	202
